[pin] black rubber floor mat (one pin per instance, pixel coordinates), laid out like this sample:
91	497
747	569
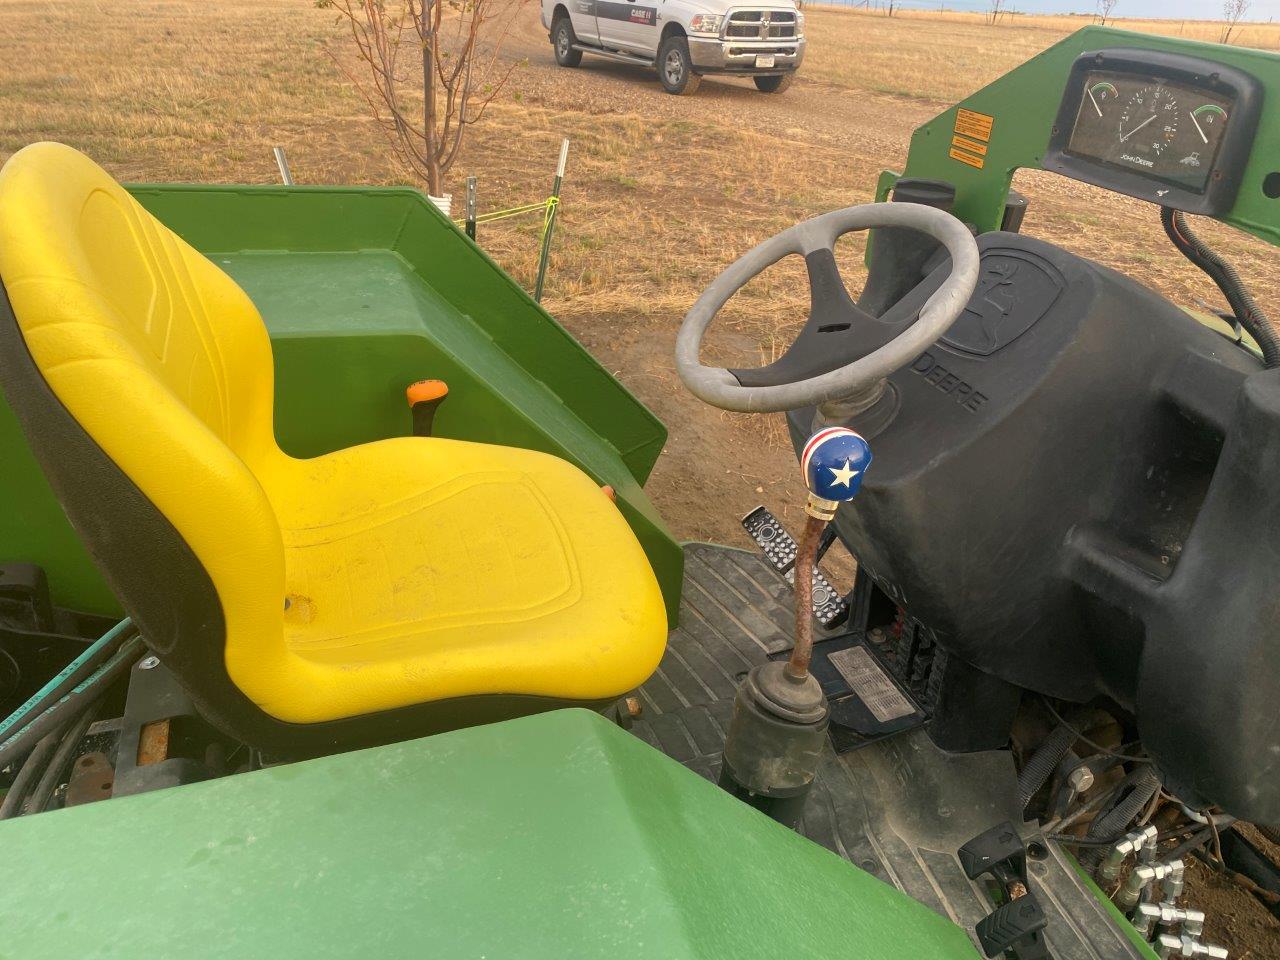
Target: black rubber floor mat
899	808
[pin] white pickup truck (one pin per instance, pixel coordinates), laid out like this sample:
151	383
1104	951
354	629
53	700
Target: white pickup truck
684	39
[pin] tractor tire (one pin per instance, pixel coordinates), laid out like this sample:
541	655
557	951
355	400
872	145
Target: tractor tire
675	66
774	84
562	40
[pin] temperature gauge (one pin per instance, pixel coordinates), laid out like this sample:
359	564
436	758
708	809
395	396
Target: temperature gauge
1208	118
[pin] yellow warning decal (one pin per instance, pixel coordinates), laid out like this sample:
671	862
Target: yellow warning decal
975	125
973	131
973	146
968	158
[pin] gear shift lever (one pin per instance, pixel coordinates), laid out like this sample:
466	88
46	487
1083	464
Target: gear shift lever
779	723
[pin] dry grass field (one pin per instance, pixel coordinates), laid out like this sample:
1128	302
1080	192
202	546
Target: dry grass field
661	193
946	55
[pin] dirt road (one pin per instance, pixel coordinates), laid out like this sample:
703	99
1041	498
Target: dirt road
869	125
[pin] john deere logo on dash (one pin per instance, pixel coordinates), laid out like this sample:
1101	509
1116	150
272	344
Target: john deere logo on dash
927	366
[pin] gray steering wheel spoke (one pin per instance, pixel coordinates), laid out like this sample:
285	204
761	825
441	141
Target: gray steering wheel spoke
812	236
811	239
828	296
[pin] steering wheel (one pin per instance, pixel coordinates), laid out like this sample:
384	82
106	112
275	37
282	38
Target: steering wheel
815	240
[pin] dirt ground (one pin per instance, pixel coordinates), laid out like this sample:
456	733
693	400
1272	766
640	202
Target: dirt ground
662	192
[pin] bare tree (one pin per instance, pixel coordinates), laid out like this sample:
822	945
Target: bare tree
1104	10
997	8
460	72
1233	12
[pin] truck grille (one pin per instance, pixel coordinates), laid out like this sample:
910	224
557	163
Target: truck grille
761	25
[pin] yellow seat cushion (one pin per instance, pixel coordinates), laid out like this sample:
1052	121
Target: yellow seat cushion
396	573
470	569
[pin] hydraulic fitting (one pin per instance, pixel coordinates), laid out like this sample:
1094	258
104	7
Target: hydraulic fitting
1132	843
1145	918
1174	881
1142	880
1168	946
1153	920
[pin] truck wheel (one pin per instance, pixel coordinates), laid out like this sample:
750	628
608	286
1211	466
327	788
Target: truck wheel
774	84
562	40
675	66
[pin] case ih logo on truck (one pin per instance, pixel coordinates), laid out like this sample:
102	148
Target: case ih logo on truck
645	16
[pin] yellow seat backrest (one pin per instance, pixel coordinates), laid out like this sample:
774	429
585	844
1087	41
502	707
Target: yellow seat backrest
162	360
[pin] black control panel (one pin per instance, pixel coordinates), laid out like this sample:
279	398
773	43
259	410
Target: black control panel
1067	495
1162	127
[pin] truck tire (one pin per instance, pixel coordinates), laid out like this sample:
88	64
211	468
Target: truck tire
562	40
774	84
675	66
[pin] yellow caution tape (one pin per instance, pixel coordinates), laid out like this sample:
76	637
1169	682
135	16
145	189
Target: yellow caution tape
546	205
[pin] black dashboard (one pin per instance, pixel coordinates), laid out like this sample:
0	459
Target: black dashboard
1163	127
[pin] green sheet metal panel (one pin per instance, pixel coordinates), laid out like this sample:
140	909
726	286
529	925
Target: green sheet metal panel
1024	104
364	291
554	836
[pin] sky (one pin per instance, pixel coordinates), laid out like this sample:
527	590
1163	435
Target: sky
1166	9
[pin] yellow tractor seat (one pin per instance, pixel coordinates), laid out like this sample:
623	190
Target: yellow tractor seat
388	589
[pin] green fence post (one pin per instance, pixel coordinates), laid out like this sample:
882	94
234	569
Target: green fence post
553	204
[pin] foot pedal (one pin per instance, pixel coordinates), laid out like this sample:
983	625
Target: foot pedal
829	608
999	852
1015	927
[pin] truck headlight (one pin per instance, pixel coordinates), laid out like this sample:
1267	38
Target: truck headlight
706	22
799	23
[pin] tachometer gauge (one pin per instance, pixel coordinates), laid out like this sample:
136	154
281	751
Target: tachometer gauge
1148	123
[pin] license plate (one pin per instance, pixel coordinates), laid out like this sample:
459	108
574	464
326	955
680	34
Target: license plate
764	61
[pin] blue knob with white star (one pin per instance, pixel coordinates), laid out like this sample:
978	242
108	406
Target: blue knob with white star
834	462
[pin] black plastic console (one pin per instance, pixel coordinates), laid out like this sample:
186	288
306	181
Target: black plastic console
1078	493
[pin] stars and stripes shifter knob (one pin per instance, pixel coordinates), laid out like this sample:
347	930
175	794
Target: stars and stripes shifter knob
833	461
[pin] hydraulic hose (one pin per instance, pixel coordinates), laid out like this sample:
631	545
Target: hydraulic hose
68	678
1224	275
1142	785
70	706
1196	841
62	756
1043	762
26	773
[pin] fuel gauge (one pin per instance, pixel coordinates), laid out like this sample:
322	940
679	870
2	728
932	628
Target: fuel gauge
1101	94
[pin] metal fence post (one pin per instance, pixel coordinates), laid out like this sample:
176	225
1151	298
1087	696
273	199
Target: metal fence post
551	221
471	207
283	164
